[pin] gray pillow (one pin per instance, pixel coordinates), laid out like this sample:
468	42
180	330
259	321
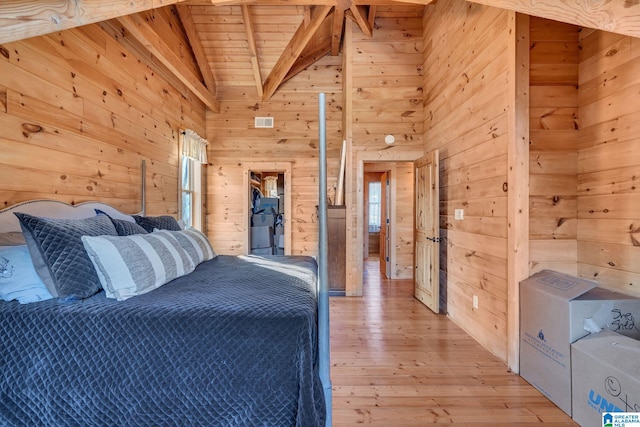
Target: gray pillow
127	228
59	256
123	227
163	222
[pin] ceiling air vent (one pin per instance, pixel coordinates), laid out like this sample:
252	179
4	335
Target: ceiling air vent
264	122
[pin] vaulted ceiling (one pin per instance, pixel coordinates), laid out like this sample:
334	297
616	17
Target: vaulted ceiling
255	46
266	45
310	32
260	43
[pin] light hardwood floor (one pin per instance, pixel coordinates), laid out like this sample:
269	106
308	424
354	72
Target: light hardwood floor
395	364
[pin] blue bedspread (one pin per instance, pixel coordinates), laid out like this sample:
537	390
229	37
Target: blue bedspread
231	344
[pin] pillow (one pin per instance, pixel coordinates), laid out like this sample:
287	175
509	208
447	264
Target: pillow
133	265
122	226
163	222
18	278
195	243
59	256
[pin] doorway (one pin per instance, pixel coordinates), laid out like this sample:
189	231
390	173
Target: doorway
387	227
268	208
376	230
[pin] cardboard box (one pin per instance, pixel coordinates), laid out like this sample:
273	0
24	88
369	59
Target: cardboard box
258	220
262	251
605	369
267	205
555	308
261	237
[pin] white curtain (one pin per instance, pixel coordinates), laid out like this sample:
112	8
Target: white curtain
194	146
271	186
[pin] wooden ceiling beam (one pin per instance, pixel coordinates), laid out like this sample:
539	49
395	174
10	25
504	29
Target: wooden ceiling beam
21	19
137	28
337	29
344	4
307	15
307	59
372	16
184	12
621	17
292	52
361	15
253	50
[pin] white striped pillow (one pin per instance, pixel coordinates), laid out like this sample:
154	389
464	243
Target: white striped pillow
195	242
133	265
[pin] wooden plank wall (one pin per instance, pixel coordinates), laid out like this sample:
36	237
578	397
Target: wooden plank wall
387	74
79	112
466	103
553	163
609	161
234	141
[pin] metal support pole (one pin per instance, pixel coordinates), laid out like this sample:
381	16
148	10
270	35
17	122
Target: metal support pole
323	271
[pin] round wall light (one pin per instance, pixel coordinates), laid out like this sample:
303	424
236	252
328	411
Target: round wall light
389	139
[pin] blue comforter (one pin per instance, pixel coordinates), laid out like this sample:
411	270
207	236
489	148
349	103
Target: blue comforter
231	344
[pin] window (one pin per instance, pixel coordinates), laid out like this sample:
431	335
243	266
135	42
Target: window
187	191
193	153
375	194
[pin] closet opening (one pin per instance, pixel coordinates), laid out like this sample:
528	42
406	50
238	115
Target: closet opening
268	209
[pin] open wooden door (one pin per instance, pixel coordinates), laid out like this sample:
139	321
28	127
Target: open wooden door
384	224
427	232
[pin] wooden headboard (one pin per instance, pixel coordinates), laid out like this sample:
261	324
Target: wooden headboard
54	209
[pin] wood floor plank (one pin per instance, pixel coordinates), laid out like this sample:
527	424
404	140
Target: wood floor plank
395	363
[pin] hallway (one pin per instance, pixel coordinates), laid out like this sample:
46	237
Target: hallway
395	363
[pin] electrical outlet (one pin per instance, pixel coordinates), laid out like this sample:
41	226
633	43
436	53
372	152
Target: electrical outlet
475	302
459	214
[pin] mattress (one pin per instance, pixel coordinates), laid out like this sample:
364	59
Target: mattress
232	344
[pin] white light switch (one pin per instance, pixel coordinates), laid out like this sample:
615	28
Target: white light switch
459	214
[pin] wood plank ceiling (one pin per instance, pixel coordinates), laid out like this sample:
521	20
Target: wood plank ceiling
232	39
243	43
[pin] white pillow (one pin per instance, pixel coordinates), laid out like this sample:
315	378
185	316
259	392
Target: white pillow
134	265
18	277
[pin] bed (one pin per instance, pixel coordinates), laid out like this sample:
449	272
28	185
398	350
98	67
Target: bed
222	341
232	343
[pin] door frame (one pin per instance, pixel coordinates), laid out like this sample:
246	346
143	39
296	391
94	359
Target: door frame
279	167
355	287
